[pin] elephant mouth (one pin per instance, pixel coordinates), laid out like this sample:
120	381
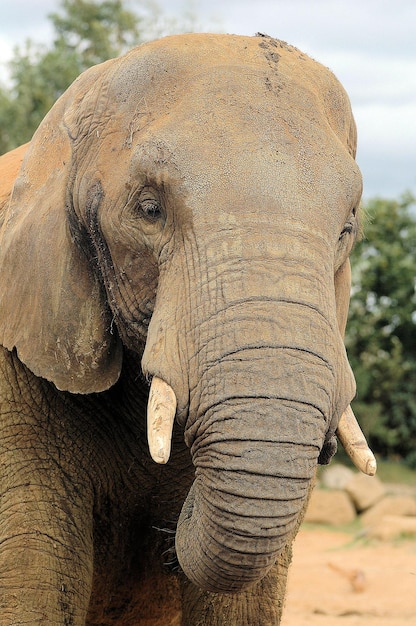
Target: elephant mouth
161	411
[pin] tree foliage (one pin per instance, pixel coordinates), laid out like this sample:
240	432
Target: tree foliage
381	333
93	32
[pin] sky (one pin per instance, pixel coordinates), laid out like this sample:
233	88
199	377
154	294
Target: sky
370	45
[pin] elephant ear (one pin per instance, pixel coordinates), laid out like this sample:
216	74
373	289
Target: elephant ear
9	167
52	305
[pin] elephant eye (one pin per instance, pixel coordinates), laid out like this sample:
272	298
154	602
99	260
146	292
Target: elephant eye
350	225
348	228
150	209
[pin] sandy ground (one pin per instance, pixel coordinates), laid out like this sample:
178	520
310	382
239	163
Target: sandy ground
322	592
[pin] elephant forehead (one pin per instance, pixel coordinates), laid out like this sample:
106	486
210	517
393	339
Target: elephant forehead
171	66
179	57
228	120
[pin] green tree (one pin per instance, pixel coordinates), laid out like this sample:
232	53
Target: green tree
93	31
381	333
86	33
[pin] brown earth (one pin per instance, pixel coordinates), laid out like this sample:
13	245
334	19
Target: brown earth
337	579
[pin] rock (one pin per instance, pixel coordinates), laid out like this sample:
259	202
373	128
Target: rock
400	489
336	476
393	526
364	491
389	505
332	507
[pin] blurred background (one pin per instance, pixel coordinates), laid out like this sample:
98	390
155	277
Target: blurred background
371	47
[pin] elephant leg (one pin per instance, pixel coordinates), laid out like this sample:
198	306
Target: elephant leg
45	564
46	551
45	560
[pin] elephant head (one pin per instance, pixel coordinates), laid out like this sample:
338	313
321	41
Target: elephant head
196	201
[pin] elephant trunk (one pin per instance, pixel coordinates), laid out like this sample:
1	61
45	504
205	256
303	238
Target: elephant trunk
238	518
262	417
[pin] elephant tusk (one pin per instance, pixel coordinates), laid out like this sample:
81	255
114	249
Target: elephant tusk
355	444
161	410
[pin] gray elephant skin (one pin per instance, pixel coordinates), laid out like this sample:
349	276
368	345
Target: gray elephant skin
184	214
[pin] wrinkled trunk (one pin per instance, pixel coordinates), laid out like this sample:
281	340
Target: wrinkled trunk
262	414
238	519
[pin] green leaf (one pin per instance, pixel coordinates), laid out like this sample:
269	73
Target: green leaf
381	332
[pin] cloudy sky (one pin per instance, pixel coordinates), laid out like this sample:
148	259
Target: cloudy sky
369	44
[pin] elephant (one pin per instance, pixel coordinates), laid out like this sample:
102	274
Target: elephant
174	242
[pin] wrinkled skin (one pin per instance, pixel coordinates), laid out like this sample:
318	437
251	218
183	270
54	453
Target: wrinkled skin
185	211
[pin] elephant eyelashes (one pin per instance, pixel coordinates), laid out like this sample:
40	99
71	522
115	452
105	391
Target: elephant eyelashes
145	203
350	226
151	210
